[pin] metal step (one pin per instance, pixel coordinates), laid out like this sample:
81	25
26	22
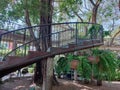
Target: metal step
34	54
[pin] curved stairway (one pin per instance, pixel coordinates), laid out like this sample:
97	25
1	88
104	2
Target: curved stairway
20	50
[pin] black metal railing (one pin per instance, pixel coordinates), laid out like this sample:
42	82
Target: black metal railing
19	42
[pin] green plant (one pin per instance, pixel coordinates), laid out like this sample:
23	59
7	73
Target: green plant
62	66
31	70
117	77
106	67
4	51
84	67
93	31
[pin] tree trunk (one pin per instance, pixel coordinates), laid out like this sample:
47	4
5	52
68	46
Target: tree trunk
28	22
45	18
94	14
95	9
38	70
111	42
48	74
99	82
45	31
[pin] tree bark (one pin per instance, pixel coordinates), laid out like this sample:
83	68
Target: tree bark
114	37
48	75
28	22
94	14
38	70
95	9
45	31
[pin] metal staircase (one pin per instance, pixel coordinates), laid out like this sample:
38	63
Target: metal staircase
18	47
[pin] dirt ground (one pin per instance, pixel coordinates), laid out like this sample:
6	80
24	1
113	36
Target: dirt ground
27	83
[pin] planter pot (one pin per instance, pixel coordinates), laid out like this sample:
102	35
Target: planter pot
74	64
93	59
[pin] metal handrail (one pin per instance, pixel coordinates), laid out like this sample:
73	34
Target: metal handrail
47	25
29	43
64	36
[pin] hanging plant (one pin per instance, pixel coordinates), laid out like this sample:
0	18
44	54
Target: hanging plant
73	59
93	31
62	66
84	69
74	64
106	67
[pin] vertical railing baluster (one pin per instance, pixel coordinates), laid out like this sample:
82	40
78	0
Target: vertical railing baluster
58	39
0	46
7	38
58	34
64	34
6	47
14	42
24	40
101	33
76	33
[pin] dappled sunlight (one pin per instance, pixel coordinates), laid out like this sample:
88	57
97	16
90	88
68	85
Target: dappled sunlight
114	82
71	85
18	87
25	84
83	86
66	82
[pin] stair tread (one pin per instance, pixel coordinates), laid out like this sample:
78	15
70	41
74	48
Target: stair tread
33	54
13	60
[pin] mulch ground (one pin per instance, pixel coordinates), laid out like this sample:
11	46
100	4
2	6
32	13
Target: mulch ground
26	83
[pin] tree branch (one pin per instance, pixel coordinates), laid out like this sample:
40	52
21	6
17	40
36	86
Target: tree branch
78	16
98	2
92	2
81	10
119	5
86	6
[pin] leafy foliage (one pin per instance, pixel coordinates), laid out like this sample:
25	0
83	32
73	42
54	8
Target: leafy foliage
68	8
93	30
12	12
107	68
107	65
62	66
84	67
18	10
106	33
